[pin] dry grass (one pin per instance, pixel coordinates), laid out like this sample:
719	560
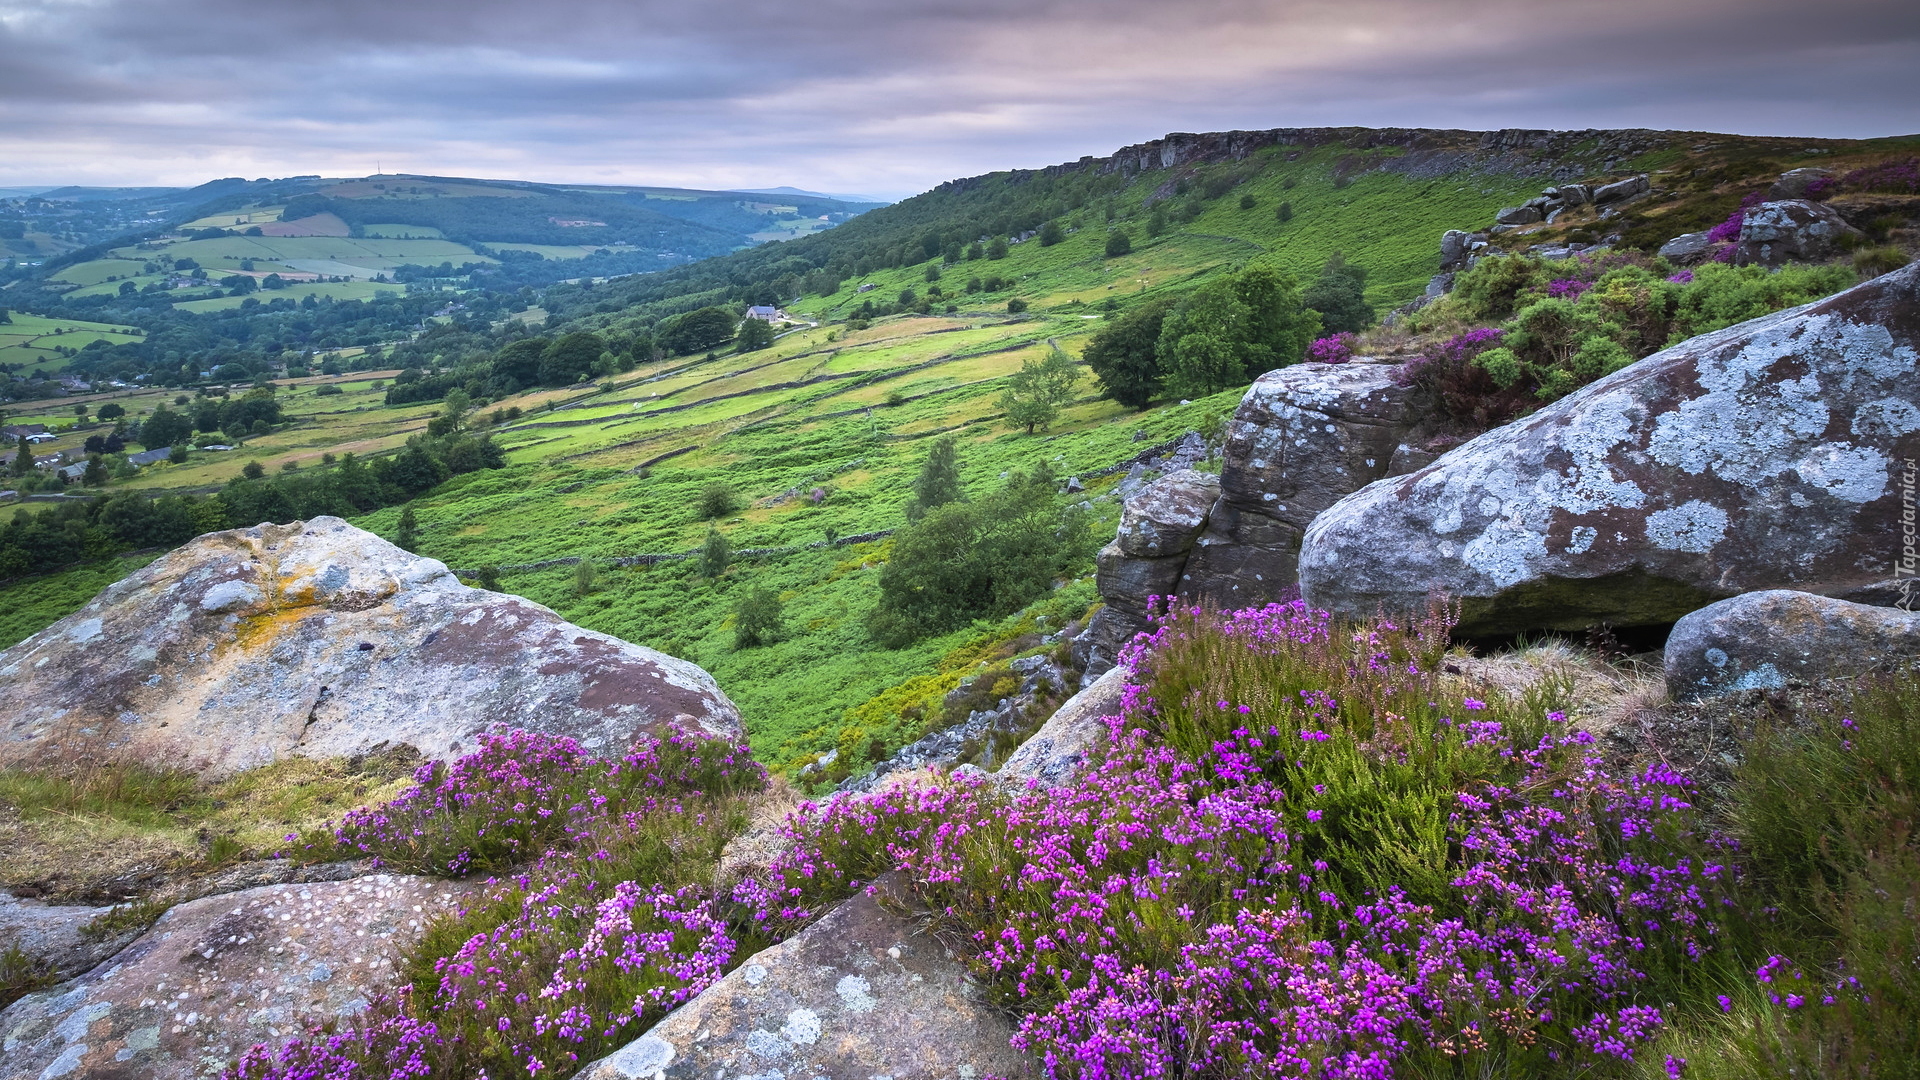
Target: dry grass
114	831
1604	694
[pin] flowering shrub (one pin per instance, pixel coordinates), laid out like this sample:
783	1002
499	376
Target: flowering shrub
1337	349
522	793
609	922
1301	856
1567	288
1900	177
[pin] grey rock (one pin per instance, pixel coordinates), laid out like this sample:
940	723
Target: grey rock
1438	286
50	937
861	993
1302	438
1763	456
318	638
1454	247
1621	190
1158	526
1524	214
1765	640
1793	183
1794	230
1573	194
218	975
1687	249
1057	752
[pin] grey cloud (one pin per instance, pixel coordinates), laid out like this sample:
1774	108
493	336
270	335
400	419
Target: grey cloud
896	95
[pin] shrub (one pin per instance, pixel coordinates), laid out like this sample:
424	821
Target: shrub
717	500
1248	202
1051	233
757	618
586	577
1337	349
985	558
1301	855
938	482
716	554
1118	243
1015	306
505	987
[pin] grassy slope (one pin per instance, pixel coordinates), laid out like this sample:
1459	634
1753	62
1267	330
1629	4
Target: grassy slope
571	491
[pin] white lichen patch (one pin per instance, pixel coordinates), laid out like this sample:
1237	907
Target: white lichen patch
856	994
1693	527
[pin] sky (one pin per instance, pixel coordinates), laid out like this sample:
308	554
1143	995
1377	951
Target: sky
884	96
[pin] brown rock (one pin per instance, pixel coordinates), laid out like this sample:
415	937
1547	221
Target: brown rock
318	638
860	993
1765	640
219	975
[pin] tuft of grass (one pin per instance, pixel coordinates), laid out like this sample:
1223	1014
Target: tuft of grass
123	917
20	976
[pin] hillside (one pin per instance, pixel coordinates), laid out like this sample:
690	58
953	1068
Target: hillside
849	399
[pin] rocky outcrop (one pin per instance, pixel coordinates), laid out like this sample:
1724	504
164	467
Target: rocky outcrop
1765	640
1767	455
321	639
860	993
1303	438
1057	752
1793	230
216	976
976	736
1158	526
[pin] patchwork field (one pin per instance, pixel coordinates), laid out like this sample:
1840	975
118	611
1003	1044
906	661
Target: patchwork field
33	342
849	413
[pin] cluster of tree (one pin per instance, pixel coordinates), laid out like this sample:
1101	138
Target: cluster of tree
1213	338
55	536
353	485
1340	296
962	560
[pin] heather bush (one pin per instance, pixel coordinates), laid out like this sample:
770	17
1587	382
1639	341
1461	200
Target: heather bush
607	921
1304	854
1570	321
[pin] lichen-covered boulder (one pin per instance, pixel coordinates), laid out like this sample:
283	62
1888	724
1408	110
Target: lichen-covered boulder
1303	438
860	993
1059	750
1765	640
219	975
1791	230
1793	183
1767	455
318	638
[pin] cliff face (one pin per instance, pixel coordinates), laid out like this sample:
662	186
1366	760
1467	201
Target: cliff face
322	639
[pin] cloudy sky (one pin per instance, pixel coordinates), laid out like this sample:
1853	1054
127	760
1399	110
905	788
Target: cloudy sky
886	96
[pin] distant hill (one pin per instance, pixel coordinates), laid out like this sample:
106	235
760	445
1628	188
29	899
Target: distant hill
1381	197
815	194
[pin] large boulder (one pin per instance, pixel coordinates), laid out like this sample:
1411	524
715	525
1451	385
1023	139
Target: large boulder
1792	230
1158	526
1621	190
1793	183
218	975
1060	749
1303	438
1765	640
318	638
1762	456
861	993
1689	248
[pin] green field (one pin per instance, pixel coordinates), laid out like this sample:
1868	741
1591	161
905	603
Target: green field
30	340
570	490
329	256
338	290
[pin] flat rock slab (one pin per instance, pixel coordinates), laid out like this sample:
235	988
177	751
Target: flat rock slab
49	935
1768	455
318	638
858	994
219	975
1765	640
